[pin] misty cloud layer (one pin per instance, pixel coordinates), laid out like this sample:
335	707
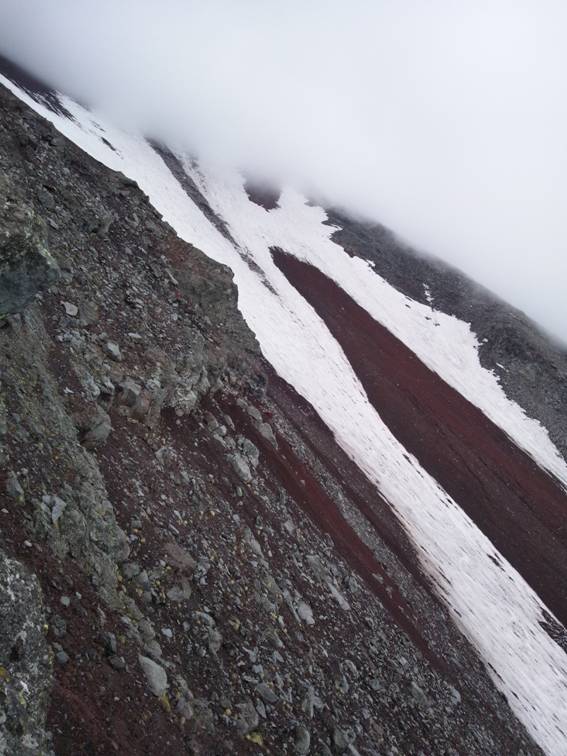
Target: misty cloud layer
445	120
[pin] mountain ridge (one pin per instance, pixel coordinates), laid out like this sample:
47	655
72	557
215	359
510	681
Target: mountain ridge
261	494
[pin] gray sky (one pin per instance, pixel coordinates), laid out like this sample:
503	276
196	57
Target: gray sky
445	120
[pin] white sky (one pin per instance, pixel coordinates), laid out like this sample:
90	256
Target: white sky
445	120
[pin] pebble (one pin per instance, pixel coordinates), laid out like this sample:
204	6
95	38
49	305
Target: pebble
305	613
266	693
340	740
117	662
62	657
71	309
248	719
113	351
13	487
302	741
110	645
241	467
153	649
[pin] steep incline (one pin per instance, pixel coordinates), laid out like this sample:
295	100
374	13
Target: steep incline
515	503
531	367
430	458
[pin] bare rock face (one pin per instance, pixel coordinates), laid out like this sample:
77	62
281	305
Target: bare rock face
26	266
25	669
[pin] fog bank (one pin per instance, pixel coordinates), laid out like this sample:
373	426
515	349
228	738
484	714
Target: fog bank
444	120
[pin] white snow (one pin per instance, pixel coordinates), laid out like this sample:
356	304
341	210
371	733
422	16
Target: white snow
493	605
444	343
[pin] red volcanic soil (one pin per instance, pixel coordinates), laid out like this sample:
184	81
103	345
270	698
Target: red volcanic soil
302	486
512	500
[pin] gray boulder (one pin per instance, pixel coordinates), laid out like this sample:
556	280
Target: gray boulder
155	675
26	266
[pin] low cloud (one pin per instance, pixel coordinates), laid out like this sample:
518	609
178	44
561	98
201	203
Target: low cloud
444	120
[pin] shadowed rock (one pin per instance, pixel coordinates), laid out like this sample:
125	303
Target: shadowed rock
26	266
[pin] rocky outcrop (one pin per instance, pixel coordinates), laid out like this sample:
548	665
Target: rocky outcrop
26	266
25	663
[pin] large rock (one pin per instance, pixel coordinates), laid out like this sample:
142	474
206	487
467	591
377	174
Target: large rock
26	266
155	675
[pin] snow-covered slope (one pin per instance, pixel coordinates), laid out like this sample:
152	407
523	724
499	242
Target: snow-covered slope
490	601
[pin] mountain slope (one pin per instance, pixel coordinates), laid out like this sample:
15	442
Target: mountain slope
385	433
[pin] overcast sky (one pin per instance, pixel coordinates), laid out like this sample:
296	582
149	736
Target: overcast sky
445	120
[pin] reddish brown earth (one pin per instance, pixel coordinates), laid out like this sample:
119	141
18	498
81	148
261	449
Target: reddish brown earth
305	490
513	501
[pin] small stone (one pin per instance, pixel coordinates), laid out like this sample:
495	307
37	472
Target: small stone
419	695
266	693
248	719
250	450
155	675
253	543
89	312
180	592
130	570
70	309
113	351
184	708
305	613
179	558
58	506
302	741
129	392
13	487
254	413
215	641
66	601
311	702
167	632
143	580
241	467
62	657
146	629
341	741
46	199
455	695
110	645
290	527
153	649
117	662
96	429
274	639
265	430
